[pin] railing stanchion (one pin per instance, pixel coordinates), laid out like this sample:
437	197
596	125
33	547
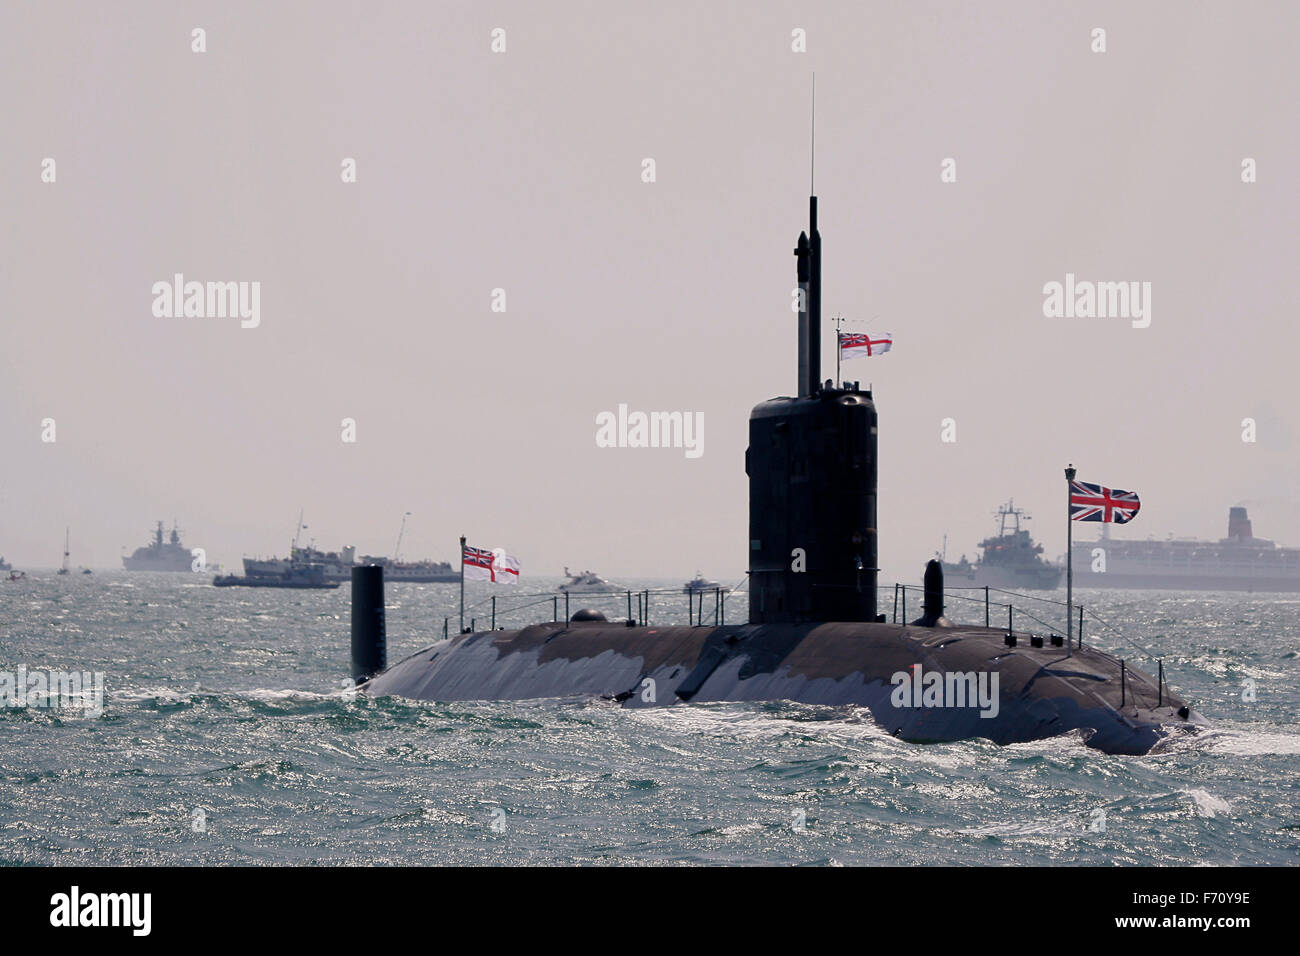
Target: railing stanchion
986	605
555	607
1011	620
1160	685
494	612
1123	689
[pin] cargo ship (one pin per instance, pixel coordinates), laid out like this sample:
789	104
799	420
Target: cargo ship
1239	562
1011	559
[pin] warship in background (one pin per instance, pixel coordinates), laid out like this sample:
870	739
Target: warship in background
1011	559
160	555
5	565
1239	562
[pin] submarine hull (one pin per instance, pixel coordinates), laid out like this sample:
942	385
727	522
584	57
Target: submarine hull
1037	692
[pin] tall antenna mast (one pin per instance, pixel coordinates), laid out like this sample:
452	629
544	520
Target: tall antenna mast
809	256
812	165
397	551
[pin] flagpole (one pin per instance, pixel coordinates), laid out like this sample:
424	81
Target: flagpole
462	584
838	350
1069	560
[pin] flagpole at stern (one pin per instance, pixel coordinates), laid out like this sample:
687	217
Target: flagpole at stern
1069	560
839	350
462	584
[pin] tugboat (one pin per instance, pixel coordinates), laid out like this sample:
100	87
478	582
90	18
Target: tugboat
588	582
160	555
699	583
1011	559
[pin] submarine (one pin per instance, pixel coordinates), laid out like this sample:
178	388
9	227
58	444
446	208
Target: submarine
814	634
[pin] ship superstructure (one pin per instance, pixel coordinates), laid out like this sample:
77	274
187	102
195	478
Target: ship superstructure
160	554
1010	559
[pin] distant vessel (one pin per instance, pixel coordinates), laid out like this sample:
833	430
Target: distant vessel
160	555
1239	562
1010	559
67	537
588	582
301	577
699	583
338	565
4	565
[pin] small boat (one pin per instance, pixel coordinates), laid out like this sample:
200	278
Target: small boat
17	575
699	583
87	571
588	582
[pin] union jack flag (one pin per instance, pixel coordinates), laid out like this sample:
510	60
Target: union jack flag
1090	502
477	564
495	565
853	344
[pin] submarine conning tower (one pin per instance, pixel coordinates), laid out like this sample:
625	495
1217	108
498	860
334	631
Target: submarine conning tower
811	464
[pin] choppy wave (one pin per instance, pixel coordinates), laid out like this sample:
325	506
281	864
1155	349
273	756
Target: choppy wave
228	738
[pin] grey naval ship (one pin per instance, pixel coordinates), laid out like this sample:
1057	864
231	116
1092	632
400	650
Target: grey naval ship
1239	562
1010	559
814	634
160	555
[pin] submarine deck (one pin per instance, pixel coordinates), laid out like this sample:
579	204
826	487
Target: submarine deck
1038	691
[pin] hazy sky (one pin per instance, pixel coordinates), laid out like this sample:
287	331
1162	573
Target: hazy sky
523	171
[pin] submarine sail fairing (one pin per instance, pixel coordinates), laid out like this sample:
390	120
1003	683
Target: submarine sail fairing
814	635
